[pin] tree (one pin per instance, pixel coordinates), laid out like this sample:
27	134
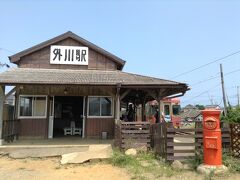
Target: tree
200	107
233	116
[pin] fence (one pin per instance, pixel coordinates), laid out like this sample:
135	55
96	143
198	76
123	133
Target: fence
132	135
158	138
182	143
235	139
10	130
165	140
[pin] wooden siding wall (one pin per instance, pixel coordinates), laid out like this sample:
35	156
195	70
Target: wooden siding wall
41	59
95	127
33	128
38	128
71	90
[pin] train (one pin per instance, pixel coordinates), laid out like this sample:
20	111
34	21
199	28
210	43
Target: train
170	111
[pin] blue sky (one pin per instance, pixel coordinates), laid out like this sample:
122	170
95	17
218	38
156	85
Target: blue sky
156	38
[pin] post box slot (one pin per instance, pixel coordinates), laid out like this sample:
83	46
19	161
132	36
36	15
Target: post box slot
210	124
211	142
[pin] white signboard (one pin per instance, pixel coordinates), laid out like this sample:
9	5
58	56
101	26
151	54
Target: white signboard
76	55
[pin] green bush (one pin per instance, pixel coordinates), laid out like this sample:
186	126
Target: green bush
233	116
231	162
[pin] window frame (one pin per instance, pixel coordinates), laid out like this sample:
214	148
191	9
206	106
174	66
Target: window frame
32	117
179	109
169	109
112	107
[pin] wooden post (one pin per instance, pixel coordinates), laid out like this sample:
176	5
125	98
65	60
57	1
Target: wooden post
143	111
118	102
16	105
47	135
159	110
2	94
159	105
85	117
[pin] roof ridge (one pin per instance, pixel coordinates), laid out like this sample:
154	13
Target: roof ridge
72	70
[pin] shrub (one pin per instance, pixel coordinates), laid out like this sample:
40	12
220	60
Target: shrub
233	116
231	162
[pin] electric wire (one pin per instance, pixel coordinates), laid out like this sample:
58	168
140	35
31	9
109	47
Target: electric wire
215	77
204	65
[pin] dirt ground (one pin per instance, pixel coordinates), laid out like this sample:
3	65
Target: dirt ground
49	168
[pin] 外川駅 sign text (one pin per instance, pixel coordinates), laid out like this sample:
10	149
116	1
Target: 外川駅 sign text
76	55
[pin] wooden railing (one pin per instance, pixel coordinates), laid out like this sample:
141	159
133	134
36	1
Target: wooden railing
132	135
181	143
165	140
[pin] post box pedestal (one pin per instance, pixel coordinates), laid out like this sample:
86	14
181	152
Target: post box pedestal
207	169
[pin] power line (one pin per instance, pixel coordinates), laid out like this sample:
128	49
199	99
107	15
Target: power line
215	77
204	65
7	50
203	81
202	93
231	72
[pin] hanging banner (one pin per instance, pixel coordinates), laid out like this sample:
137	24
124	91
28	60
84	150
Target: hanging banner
76	55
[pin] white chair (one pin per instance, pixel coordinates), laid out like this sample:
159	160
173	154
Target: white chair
76	131
69	130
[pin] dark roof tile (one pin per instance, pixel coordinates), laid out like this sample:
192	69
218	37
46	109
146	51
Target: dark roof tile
90	77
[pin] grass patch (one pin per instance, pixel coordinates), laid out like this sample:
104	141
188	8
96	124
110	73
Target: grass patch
143	166
231	162
196	161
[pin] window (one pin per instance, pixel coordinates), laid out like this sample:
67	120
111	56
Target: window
31	106
166	110
100	106
176	109
106	104
94	106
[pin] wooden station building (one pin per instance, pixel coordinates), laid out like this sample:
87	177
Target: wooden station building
69	78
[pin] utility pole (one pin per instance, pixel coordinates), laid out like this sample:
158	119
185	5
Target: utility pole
238	96
223	91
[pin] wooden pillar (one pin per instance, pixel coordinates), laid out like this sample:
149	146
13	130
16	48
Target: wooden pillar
117	115
47	128
2	94
85	113
159	110
159	107
143	111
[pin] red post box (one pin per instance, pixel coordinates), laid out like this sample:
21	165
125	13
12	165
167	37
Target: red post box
212	138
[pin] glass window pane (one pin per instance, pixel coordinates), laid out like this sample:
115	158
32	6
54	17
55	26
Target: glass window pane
39	106
166	110
106	106
176	109
26	106
94	106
